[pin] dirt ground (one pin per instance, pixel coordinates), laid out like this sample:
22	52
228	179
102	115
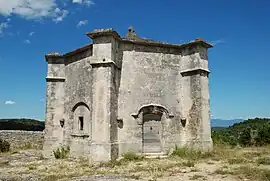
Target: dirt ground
252	164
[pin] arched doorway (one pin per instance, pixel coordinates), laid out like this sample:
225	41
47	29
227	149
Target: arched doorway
152	119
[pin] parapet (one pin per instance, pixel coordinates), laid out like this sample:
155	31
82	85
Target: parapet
53	57
132	37
103	32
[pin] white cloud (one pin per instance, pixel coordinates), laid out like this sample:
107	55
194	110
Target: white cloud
10	102
38	9
3	26
28	8
61	14
86	2
216	42
81	23
31	33
33	9
27	41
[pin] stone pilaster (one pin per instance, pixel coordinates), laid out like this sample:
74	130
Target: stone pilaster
54	122
196	99
104	146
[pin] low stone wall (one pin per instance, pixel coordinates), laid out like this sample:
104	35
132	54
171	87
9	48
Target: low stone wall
23	139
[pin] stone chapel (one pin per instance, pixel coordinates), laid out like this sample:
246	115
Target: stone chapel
118	95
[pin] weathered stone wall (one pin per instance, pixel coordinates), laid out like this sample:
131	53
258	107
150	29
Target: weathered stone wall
22	138
78	103
150	75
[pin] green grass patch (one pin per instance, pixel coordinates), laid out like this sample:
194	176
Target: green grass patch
131	156
191	154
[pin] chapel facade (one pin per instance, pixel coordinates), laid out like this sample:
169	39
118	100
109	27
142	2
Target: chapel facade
118	95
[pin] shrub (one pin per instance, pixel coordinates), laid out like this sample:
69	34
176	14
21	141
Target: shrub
61	153
4	145
251	132
188	164
130	156
264	161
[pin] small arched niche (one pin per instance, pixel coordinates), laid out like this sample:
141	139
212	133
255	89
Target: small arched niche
81	120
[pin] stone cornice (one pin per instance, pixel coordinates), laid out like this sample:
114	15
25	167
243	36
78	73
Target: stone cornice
159	44
55	79
194	71
104	64
103	32
94	61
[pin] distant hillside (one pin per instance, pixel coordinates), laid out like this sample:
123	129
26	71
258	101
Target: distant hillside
224	123
249	132
35	125
218	128
22	124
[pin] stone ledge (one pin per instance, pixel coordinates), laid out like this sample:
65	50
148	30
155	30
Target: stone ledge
80	135
55	79
105	63
194	71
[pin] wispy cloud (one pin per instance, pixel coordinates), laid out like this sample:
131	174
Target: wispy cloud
30	9
86	2
216	42
42	100
3	26
81	23
61	15
33	9
39	9
31	33
9	102
27	41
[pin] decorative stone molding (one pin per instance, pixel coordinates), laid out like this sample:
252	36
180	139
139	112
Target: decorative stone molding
194	71
153	108
95	62
78	135
55	79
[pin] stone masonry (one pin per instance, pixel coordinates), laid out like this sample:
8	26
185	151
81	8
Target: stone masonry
19	139
118	95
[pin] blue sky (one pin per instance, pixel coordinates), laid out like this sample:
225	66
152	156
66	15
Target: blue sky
239	62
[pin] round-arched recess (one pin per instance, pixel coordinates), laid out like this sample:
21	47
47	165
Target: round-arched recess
81	119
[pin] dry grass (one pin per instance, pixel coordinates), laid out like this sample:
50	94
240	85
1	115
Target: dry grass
223	161
263	160
253	173
197	177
